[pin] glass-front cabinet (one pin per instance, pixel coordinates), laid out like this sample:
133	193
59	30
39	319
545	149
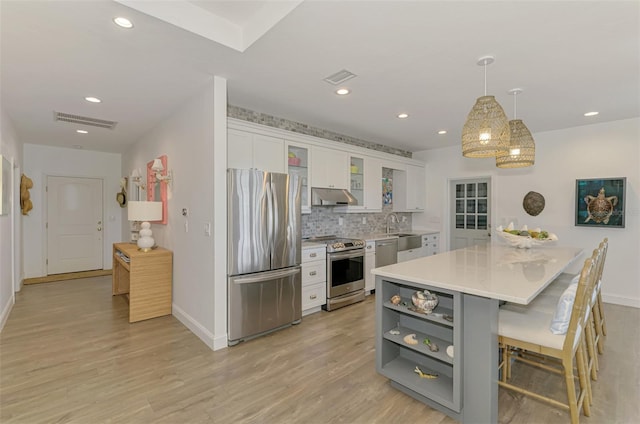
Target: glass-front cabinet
298	163
356	175
365	174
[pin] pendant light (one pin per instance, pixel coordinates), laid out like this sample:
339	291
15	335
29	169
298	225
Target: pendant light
486	131
522	148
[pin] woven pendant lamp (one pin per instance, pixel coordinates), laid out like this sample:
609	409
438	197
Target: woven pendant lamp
486	130
522	147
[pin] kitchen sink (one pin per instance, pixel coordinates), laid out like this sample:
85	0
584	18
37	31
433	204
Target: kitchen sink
409	241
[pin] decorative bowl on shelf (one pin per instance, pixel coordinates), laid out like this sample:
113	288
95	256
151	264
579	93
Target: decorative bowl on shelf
294	161
424	300
525	238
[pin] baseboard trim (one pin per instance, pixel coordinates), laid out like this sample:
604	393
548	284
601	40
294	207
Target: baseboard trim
6	311
622	301
67	276
199	330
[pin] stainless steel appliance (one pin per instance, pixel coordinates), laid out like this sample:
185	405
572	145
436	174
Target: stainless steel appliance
386	252
331	197
345	271
264	252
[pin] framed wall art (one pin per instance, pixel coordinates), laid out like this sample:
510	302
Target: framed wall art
600	202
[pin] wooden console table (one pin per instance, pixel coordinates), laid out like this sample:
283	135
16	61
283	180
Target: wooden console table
145	278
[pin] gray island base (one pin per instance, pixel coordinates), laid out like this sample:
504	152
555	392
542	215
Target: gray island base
469	284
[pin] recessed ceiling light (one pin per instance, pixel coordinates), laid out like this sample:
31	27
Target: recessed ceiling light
403	115
342	91
92	99
442	132
123	22
591	113
82	131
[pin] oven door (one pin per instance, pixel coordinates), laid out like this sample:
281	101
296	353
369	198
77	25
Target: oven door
345	272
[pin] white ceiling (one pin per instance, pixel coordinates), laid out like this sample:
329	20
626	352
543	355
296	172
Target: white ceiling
417	57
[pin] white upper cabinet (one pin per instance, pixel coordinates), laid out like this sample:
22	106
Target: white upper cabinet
409	192
366	183
248	150
329	168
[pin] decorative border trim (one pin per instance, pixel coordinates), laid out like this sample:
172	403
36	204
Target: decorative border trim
297	127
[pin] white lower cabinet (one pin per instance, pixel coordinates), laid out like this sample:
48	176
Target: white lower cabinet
314	279
369	264
430	244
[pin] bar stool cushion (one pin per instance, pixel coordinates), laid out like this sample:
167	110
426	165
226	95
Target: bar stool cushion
562	314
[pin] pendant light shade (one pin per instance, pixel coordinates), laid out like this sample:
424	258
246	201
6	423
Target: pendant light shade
522	147
486	131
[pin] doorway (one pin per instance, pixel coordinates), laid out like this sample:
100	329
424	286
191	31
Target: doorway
469	212
74	224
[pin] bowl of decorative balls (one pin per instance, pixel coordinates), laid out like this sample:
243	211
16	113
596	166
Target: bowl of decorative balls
525	238
424	301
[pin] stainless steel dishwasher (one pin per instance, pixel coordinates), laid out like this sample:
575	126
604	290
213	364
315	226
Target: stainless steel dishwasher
386	252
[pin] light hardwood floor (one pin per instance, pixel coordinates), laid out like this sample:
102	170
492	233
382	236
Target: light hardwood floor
68	355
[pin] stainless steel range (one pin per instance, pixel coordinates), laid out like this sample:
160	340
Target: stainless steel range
345	271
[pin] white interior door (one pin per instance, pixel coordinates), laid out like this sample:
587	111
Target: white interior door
470	213
74	224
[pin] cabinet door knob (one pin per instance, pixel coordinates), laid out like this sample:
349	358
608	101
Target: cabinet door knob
313	255
313	273
313	296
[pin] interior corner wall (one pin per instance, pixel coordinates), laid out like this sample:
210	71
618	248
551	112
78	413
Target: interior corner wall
594	151
10	225
186	137
42	161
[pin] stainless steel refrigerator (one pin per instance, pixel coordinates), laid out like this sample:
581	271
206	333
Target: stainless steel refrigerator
264	252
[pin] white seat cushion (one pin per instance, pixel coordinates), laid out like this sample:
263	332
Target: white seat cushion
531	326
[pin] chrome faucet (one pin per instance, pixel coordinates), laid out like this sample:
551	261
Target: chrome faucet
393	217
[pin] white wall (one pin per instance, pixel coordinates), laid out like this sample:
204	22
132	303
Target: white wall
10	259
187	138
593	151
42	161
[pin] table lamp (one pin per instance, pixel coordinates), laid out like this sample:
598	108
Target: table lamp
145	212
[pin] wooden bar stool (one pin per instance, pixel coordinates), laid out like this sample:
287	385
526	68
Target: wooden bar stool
527	331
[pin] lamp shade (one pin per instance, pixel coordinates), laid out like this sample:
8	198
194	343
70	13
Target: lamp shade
144	211
522	148
486	130
157	165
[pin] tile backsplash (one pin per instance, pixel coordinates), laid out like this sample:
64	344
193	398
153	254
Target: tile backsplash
325	220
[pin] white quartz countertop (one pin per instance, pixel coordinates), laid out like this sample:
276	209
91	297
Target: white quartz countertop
491	270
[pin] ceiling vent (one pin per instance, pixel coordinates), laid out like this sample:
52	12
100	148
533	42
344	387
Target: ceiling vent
339	77
83	120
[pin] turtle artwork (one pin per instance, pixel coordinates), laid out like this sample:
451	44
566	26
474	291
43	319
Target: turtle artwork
600	208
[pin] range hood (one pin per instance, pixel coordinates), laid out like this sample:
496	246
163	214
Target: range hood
331	197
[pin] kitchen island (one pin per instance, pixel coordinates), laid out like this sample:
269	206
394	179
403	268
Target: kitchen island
469	283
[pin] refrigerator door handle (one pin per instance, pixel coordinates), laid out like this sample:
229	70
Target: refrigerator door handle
270	217
266	276
275	215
